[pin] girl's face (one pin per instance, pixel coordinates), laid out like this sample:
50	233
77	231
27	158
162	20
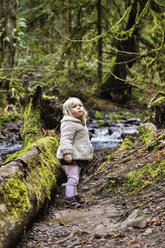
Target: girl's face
77	109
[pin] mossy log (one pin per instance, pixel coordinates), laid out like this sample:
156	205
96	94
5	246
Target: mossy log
29	177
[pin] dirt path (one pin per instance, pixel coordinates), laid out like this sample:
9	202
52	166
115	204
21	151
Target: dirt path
108	222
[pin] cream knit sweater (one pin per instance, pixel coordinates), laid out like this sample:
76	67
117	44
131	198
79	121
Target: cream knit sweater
74	140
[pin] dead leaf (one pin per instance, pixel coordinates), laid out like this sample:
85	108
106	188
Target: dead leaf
84	241
144	177
126	152
139	165
113	235
159	154
131	242
48	132
155	222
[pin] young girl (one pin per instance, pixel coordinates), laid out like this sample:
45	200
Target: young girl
75	147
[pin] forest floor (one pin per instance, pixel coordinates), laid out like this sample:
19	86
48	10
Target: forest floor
116	219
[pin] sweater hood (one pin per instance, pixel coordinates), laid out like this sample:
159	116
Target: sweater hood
70	118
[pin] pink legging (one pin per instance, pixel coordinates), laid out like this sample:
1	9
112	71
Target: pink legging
72	172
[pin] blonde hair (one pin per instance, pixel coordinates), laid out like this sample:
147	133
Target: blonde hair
68	104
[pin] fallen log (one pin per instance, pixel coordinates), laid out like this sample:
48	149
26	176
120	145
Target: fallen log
29	177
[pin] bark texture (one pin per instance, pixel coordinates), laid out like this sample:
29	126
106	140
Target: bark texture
7	40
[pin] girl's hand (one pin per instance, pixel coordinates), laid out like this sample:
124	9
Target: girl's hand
68	158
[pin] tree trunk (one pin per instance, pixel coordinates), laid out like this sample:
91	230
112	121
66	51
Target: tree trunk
8	25
29	177
7	40
100	41
70	33
115	86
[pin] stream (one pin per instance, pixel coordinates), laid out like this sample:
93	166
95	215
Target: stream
112	133
106	135
10	140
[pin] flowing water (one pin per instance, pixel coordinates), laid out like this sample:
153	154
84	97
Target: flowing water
8	148
113	133
10	140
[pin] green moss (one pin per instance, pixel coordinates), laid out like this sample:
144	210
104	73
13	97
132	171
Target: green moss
9	117
109	157
115	117
3	100
100	168
148	175
112	183
146	137
15	195
98	115
44	170
158	101
42	173
127	144
146	133
156	142
49	97
13	156
122	115
32	128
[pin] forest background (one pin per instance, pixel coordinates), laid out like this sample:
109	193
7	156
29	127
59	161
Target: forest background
100	51
92	49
